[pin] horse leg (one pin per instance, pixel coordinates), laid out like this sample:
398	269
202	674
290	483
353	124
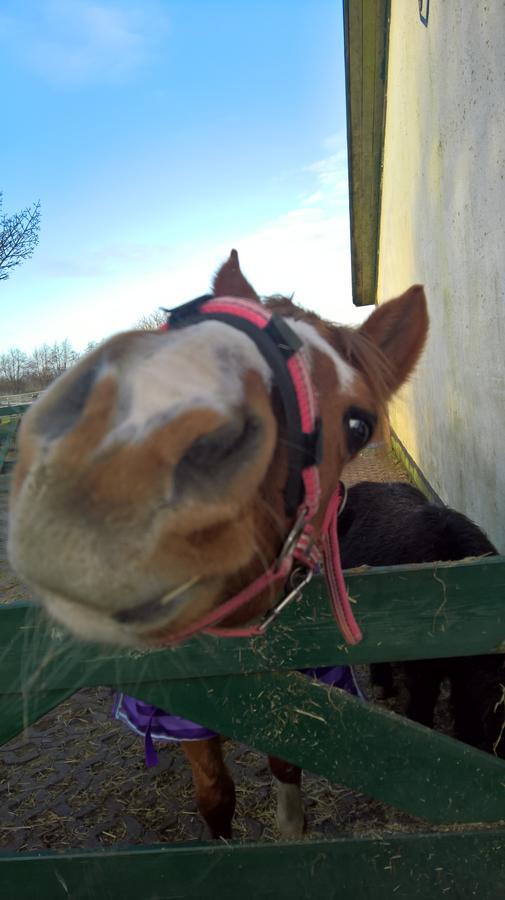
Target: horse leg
290	814
214	787
478	700
423	678
381	676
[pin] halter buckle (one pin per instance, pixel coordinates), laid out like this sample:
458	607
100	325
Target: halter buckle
297	589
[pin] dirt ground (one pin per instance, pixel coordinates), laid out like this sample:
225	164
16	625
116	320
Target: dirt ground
78	779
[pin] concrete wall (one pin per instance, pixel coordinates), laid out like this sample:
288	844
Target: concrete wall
442	224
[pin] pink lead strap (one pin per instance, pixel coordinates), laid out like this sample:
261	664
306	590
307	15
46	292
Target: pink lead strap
333	573
310	555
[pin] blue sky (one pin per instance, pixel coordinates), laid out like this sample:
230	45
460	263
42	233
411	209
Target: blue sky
158	135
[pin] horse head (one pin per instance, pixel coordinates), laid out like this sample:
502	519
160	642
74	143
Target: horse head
151	477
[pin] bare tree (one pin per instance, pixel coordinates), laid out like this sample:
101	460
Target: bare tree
62	357
152	321
90	346
20	372
14	369
40	366
19	235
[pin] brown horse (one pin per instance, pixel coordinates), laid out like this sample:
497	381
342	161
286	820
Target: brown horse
155	479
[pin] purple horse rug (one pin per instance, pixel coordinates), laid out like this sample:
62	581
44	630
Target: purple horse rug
153	723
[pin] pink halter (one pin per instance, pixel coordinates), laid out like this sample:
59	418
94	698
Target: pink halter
283	350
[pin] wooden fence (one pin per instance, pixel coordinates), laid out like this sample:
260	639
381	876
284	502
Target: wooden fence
248	690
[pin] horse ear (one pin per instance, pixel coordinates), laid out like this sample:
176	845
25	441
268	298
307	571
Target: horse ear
229	281
399	328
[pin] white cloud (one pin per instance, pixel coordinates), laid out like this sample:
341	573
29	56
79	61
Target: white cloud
77	42
312	199
107	261
305	251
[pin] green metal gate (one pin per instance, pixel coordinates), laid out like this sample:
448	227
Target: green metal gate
247	689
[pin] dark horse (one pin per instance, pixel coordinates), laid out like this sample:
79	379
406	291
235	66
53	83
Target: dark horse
394	524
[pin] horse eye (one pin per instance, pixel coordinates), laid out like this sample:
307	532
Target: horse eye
359	430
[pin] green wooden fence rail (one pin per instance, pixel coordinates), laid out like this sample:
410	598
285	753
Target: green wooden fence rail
247	689
409	867
406	612
8	429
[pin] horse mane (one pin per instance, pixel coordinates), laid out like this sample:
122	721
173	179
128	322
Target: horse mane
355	347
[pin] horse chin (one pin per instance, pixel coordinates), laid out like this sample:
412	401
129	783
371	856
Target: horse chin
101	628
88	625
152	624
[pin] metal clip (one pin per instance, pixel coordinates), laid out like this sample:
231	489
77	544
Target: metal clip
343	502
295	594
292	538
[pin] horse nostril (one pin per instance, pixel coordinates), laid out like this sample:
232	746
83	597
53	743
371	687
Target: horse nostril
61	416
222	451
